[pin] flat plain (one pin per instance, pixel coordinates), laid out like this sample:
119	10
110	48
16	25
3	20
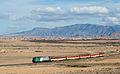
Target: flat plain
16	56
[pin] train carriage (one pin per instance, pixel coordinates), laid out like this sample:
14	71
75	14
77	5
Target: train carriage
101	54
84	56
92	55
73	57
57	58
97	54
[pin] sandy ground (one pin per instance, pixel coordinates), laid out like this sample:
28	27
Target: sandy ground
13	53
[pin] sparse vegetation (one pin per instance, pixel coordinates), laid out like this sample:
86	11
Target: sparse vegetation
16	56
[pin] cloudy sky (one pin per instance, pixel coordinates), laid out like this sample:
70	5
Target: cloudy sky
21	15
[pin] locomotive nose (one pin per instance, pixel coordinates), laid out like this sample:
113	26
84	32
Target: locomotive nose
33	60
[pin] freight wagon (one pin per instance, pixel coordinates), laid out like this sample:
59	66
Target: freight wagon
66	57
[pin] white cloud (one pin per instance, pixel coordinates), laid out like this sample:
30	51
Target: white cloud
53	14
50	9
50	14
89	10
58	14
118	9
56	10
112	20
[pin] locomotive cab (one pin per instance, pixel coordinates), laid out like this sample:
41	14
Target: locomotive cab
40	59
35	59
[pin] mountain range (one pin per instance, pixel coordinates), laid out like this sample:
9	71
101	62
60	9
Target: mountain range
76	30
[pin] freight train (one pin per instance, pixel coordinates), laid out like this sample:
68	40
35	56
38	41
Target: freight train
65	57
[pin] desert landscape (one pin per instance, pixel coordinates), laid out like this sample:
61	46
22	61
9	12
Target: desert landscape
16	56
60	37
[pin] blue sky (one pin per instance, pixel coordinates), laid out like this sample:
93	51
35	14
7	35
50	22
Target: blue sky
21	15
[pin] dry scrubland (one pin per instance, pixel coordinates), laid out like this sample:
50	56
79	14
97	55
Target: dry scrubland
16	57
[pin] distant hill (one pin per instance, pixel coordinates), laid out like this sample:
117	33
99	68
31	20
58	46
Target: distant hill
77	30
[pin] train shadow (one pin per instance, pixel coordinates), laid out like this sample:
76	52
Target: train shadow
16	64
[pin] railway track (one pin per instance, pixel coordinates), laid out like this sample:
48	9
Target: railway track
105	57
